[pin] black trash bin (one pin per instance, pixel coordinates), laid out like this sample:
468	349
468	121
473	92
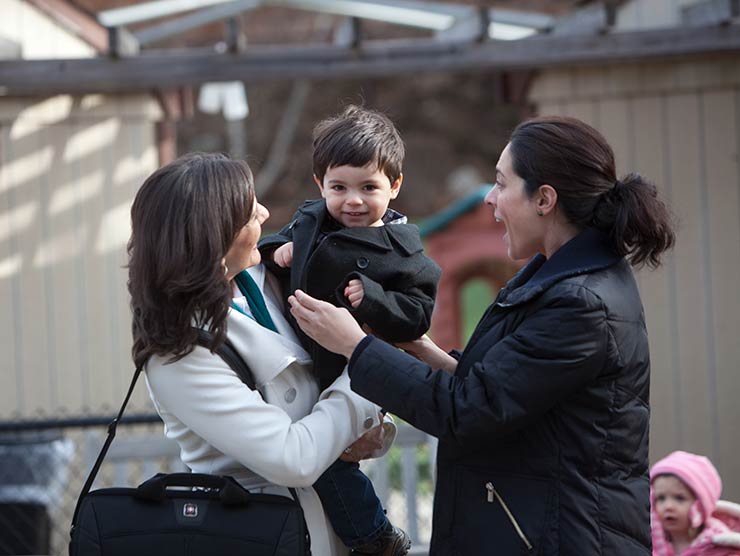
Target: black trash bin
33	469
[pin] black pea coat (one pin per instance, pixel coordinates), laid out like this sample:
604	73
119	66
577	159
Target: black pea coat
543	429
400	282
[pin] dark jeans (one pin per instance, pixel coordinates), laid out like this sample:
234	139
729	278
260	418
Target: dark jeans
350	502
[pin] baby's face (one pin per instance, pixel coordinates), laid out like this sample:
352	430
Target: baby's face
358	196
672	500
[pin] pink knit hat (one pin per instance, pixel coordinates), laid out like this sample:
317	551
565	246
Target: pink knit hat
699	475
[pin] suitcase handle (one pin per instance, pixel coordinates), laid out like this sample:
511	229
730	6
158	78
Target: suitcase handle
231	493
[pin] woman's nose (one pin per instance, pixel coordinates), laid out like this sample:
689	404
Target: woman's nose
491	197
263	214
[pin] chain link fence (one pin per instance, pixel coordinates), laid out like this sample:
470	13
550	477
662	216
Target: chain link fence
43	466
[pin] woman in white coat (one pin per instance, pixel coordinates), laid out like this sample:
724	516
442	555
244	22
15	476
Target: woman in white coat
195	226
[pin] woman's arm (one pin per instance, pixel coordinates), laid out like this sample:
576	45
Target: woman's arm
519	377
336	330
430	353
208	398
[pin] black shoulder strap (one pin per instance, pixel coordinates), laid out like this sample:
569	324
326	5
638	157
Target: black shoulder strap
231	357
226	351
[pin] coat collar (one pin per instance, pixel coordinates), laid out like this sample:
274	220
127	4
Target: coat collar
266	353
382	238
589	251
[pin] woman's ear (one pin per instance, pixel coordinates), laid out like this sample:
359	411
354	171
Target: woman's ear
545	199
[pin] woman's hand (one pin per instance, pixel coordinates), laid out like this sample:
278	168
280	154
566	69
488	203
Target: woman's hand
332	327
366	445
426	350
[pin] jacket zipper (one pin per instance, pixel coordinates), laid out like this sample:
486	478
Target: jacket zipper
491	494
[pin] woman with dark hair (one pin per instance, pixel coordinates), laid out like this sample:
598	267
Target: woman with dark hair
193	263
543	419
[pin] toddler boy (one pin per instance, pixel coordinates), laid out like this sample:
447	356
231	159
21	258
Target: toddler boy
350	249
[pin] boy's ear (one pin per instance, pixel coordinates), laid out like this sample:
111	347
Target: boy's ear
317	181
396	186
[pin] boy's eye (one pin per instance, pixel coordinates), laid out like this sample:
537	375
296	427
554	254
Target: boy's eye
337	187
369	187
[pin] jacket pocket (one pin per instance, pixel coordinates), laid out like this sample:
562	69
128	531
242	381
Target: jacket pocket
504	513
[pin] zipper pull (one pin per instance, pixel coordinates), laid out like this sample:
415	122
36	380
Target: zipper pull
489	493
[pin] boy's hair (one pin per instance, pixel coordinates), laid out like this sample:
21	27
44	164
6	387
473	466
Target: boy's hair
357	137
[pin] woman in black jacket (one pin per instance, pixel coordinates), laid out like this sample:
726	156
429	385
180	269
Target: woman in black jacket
543	419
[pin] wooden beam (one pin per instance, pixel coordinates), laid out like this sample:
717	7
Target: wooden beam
75	21
121	43
173	69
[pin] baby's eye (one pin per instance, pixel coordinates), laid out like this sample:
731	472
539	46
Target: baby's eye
681	498
660	498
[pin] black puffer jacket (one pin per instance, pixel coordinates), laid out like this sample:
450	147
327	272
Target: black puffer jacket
544	427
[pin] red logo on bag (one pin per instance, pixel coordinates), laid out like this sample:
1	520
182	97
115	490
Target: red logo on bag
190	510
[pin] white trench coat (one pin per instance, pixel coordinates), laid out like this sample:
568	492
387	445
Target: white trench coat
224	428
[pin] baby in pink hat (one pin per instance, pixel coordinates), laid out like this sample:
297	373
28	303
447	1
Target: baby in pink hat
685	490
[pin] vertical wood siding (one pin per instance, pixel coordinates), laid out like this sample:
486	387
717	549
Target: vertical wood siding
38	36
679	124
69	168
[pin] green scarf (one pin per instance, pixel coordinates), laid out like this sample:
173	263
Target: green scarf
251	291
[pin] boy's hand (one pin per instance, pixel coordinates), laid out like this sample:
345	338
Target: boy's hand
283	255
354	292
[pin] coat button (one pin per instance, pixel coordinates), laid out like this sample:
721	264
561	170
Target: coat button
362	262
290	395
368	423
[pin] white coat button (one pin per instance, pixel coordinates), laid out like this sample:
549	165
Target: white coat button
368	423
290	395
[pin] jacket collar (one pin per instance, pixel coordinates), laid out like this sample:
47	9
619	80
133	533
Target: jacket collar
588	252
380	238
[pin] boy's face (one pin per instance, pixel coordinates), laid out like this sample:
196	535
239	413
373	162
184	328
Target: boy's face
358	196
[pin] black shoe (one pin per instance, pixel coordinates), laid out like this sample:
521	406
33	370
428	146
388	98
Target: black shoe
393	541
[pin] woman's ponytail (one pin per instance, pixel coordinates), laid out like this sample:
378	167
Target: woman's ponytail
636	220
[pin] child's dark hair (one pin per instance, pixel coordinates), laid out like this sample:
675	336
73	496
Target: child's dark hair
576	160
357	137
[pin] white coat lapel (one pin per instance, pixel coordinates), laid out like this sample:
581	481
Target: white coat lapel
266	352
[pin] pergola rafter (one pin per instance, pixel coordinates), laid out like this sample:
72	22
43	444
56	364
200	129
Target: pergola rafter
459	45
